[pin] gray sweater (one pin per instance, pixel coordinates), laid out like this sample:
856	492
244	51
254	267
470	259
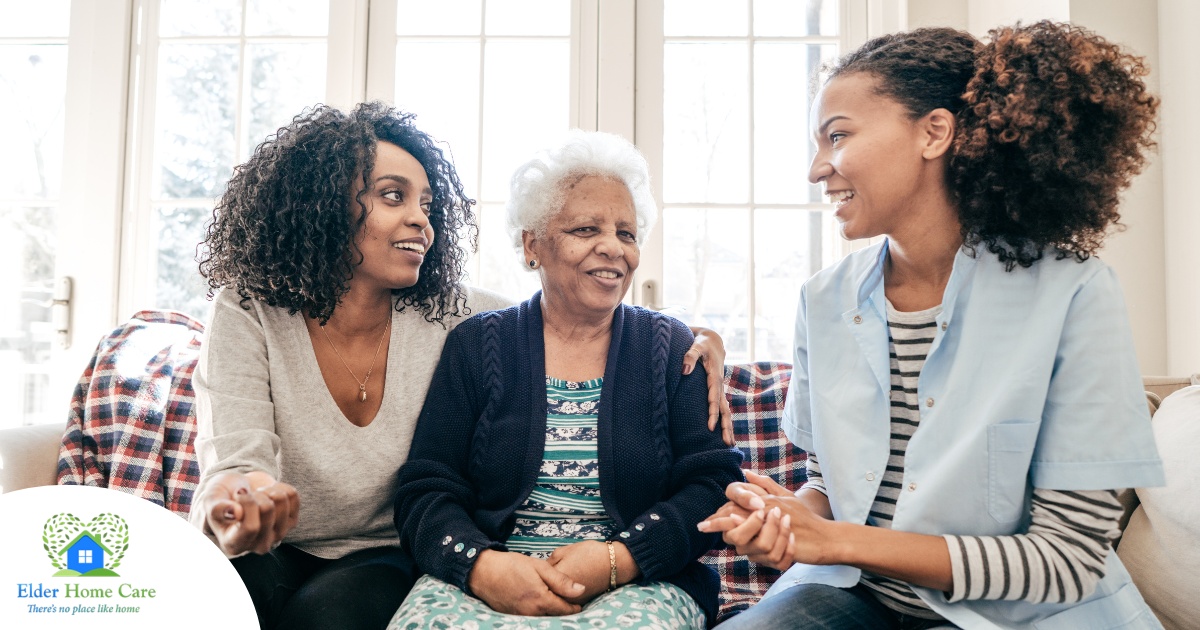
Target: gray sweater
262	405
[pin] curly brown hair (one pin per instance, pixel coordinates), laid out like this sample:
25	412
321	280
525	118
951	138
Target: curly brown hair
1053	121
283	232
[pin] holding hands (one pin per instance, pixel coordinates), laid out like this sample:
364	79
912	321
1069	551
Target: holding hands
767	523
249	512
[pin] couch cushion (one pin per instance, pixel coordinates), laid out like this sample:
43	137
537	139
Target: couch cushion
756	393
1159	546
27	456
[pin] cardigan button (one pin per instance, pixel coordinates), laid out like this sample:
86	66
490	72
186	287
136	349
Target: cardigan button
928	402
653	517
624	534
471	552
858	319
870	476
458	548
446	541
945	325
912	487
639	527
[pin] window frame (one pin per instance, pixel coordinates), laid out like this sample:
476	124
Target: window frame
858	20
109	116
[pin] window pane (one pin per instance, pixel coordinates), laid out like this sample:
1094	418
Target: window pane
450	115
43	18
782	142
196	117
528	17
516	124
787	250
444	17
33	82
795	17
287	17
706	123
705	17
180	286
27	246
199	17
501	266
706	271
284	79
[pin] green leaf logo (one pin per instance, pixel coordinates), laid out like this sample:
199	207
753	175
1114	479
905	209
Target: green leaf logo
92	549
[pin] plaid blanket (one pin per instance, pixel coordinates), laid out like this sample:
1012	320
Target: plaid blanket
131	423
756	393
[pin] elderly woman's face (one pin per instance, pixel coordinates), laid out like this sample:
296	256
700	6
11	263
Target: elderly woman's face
396	234
589	251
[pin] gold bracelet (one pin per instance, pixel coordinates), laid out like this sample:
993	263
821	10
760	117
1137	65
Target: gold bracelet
612	566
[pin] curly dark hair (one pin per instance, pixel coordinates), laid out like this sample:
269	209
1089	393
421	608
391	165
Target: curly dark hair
1053	121
283	232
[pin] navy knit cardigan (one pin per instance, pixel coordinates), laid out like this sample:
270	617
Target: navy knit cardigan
479	443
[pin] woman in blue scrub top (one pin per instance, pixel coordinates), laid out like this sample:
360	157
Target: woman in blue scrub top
967	389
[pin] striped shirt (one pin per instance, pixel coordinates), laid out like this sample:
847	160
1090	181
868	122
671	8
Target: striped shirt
1060	558
565	506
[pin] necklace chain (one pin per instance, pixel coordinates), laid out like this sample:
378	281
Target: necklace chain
362	384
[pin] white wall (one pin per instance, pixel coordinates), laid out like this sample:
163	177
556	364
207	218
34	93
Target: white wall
1137	253
983	15
1146	268
1178	21
952	13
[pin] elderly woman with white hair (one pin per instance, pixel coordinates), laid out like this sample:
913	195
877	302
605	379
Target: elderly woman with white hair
561	461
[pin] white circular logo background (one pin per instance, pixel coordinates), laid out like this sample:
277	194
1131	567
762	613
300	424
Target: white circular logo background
74	556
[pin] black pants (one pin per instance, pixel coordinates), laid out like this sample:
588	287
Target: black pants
821	607
295	590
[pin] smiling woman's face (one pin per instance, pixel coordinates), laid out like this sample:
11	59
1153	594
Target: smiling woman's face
397	233
869	156
589	251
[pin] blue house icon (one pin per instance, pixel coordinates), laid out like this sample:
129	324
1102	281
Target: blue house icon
84	553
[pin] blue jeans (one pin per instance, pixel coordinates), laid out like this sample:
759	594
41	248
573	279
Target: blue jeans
298	591
818	606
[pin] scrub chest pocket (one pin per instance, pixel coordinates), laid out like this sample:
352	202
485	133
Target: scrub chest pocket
1010	450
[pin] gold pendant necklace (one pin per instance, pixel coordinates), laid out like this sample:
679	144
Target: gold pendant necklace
362	385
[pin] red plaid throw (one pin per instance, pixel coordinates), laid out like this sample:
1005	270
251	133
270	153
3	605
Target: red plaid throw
756	393
131	424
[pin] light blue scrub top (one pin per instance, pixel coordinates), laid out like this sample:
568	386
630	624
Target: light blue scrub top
1031	381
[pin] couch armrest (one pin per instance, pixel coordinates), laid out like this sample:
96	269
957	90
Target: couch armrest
29	456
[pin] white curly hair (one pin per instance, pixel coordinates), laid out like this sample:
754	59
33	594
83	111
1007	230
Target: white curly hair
539	187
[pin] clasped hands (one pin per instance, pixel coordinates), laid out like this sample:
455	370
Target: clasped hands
249	512
768	524
572	576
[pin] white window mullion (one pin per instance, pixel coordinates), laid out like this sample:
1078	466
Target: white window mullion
138	262
585	63
346	70
616	67
751	210
381	51
648	135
